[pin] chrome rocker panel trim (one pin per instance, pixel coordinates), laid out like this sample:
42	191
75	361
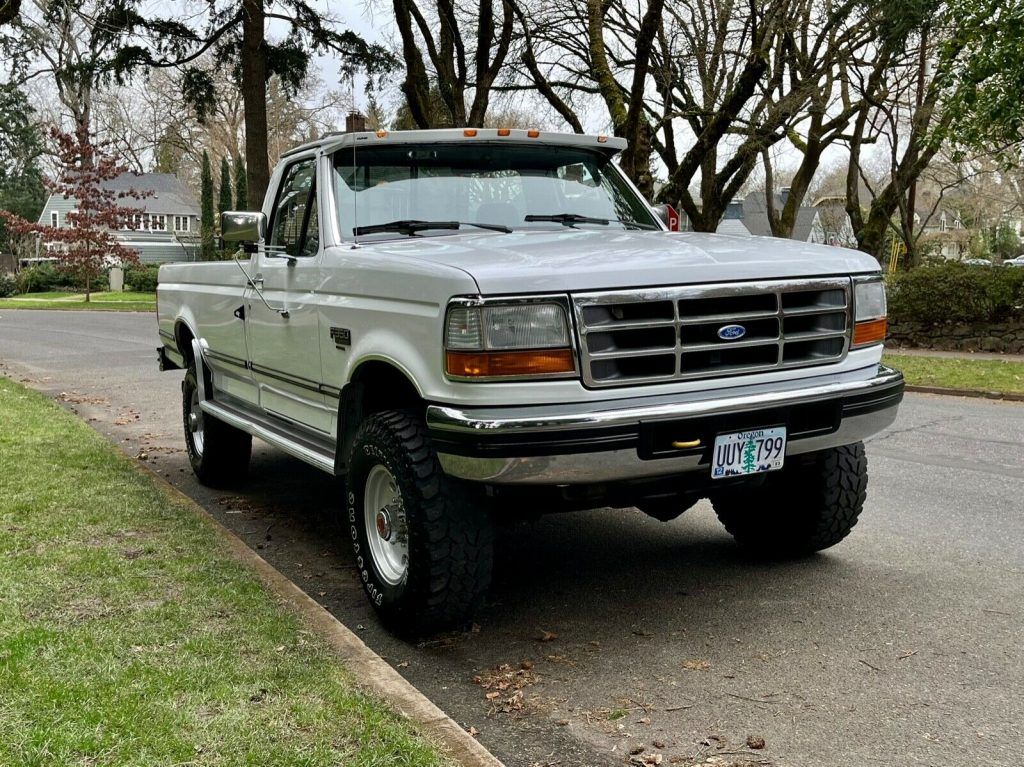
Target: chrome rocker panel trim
626	464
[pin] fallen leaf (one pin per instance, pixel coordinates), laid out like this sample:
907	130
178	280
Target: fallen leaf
755	741
546	636
473	731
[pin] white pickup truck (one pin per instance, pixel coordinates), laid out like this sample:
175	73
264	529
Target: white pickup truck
464	323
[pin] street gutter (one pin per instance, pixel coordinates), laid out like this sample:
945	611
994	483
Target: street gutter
1001	395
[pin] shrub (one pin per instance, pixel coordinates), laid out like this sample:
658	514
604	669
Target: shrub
45	276
37	279
141	278
8	286
954	292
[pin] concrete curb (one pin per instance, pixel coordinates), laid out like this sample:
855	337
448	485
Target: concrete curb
1006	396
371	672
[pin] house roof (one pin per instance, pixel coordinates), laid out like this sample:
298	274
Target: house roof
169	195
756	222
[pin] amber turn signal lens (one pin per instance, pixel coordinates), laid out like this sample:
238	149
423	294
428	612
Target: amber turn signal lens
504	132
533	133
469	132
518	363
870	332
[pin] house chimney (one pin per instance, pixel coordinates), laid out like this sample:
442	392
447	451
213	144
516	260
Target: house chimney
355	122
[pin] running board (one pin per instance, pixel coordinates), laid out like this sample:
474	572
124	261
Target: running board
316	452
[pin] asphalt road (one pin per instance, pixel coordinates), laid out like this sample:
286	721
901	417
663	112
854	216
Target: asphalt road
902	646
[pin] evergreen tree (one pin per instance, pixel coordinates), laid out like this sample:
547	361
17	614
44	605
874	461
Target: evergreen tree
241	185
206	208
224	201
22	191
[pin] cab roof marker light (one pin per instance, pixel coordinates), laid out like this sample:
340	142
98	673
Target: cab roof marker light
469	132
602	139
504	132
533	133
382	133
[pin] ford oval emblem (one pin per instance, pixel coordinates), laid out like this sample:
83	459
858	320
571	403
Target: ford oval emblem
731	332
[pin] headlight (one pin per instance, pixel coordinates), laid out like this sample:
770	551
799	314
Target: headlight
508	340
870	323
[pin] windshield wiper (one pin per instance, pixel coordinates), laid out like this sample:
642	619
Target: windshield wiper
567	219
412	226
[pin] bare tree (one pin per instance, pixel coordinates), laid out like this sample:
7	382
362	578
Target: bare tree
466	47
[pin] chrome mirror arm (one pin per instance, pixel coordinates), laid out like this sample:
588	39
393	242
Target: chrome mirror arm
258	288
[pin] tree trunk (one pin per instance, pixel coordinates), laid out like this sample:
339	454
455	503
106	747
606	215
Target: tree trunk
254	95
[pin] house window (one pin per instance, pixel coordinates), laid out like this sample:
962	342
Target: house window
54	218
158	223
181	223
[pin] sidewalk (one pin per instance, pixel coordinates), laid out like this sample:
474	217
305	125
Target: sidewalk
956	355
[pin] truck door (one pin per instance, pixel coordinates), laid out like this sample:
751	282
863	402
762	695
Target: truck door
283	329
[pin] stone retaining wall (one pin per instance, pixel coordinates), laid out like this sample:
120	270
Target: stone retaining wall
958	336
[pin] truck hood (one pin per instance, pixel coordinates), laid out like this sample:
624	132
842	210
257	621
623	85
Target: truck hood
587	259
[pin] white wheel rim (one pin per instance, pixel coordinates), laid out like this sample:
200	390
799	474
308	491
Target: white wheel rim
386	529
194	422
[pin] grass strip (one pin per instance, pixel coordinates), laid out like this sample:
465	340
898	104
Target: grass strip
128	636
127	301
985	375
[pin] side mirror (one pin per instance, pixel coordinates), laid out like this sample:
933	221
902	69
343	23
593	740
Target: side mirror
668	216
242	226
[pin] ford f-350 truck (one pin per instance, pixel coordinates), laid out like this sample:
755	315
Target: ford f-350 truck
465	323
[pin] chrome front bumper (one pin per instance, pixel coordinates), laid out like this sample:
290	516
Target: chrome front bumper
583	443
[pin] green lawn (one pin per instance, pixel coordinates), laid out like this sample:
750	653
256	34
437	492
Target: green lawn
128	636
952	373
104	302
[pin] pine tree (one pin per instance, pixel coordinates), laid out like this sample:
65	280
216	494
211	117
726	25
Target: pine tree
241	185
224	202
206	207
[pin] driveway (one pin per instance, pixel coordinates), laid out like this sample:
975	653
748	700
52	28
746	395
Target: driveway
901	646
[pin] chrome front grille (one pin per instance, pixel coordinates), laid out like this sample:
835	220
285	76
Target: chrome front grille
672	334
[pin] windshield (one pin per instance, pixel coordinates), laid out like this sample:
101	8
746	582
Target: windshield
482	183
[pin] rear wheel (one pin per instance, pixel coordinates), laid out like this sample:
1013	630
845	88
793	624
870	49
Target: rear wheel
219	453
810	505
423	548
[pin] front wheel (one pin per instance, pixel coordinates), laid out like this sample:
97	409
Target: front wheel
423	549
219	453
806	507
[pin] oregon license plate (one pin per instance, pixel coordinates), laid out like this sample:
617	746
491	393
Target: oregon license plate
748	452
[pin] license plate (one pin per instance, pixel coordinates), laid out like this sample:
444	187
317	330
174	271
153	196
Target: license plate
748	452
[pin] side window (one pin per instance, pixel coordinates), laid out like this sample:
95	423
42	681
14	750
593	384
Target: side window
294	212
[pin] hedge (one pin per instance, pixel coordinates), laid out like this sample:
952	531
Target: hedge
45	277
955	292
141	279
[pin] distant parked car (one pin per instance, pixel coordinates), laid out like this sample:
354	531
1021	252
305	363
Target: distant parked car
1018	261
977	262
